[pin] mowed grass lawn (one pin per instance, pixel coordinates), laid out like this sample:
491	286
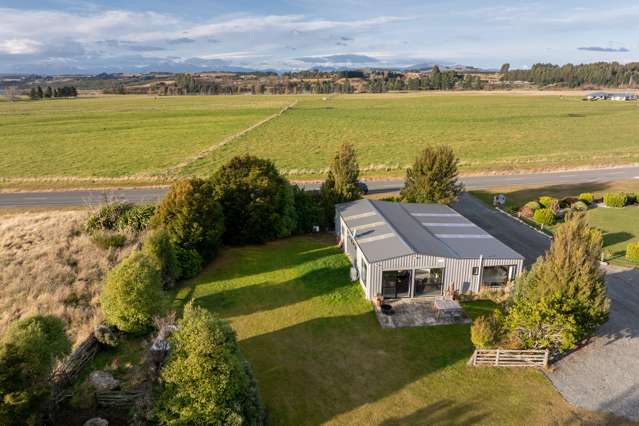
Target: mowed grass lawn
119	135
488	131
320	356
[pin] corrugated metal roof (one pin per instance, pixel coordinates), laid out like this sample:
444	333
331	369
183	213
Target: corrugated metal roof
386	230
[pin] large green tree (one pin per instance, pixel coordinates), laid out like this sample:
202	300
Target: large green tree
563	298
192	217
433	177
341	183
28	352
256	200
206	379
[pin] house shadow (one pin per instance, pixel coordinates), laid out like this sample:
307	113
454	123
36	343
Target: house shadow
443	412
326	367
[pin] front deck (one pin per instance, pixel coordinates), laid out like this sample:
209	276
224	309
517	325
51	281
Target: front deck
417	312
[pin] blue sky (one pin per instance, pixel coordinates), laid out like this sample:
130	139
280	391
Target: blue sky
56	36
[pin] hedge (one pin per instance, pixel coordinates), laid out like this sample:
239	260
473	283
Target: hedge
580	206
615	199
632	251
544	216
486	331
534	205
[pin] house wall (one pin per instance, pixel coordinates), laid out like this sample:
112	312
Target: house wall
457	272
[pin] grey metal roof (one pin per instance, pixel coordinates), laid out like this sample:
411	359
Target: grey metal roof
385	230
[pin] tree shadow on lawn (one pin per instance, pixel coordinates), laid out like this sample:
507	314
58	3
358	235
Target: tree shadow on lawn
268	295
612	238
444	412
316	370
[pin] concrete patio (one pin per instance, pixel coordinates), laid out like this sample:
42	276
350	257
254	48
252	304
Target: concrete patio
418	312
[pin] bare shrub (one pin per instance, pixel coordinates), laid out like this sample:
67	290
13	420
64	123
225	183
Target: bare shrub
48	265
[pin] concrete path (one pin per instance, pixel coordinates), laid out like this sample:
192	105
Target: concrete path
604	375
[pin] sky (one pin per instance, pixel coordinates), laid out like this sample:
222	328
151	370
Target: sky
83	36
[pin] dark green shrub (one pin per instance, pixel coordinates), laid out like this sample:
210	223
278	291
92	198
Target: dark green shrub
615	199
308	210
579	206
256	200
107	217
632	197
533	205
632	252
107	239
106	335
486	331
587	197
190	262
544	216
132	294
192	217
547	201
136	218
120	217
159	247
206	380
29	350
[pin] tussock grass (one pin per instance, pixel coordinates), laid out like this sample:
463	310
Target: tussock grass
49	265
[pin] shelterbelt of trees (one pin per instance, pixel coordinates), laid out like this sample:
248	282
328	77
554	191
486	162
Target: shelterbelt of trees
606	74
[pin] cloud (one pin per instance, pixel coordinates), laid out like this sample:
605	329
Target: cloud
338	59
603	49
23	46
181	40
130	45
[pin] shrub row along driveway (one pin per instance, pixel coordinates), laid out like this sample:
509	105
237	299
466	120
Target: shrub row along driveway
604	375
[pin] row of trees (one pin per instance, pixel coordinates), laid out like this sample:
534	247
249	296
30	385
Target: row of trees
605	74
37	93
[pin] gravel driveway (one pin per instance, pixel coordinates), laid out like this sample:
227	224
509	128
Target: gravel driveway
603	375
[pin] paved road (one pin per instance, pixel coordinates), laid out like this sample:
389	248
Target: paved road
604	375
524	240
77	198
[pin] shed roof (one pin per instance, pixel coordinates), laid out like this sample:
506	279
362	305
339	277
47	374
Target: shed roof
385	230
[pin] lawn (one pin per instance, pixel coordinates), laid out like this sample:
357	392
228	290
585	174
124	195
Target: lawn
488	132
119	136
619	226
320	356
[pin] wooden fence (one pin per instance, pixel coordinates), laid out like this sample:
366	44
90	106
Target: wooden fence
509	358
70	368
118	399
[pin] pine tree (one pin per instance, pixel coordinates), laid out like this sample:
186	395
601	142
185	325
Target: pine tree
48	93
40	93
343	175
433	177
33	94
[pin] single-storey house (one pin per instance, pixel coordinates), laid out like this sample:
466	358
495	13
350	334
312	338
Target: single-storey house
411	250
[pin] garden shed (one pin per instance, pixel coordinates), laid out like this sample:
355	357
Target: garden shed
405	250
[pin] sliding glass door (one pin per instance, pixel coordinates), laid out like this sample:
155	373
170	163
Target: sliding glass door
429	282
396	283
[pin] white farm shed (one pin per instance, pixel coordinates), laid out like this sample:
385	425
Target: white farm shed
414	250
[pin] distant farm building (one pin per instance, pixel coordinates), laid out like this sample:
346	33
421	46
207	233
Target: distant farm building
605	96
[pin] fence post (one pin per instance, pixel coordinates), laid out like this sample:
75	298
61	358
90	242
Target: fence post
546	358
497	358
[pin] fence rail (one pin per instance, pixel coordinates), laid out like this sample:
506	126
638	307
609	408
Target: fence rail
509	358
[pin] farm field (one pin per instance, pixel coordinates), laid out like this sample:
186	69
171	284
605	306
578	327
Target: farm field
119	136
320	356
488	132
140	138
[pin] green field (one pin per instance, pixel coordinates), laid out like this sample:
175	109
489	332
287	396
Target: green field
320	356
119	136
140	136
488	132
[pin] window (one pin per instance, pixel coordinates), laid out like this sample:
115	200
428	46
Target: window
475	270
